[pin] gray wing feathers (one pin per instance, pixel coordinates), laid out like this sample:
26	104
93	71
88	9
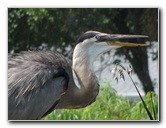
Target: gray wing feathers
35	107
35	83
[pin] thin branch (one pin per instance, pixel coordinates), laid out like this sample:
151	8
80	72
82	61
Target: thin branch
147	110
151	98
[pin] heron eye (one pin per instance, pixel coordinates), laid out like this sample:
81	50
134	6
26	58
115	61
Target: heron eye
100	38
97	37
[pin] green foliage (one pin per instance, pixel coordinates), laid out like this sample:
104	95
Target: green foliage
139	110
108	106
29	27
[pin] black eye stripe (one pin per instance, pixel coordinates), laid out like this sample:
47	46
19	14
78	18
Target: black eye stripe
87	35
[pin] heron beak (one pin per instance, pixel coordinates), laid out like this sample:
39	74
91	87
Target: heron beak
111	39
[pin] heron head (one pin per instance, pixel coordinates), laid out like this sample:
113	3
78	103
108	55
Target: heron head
93	43
95	37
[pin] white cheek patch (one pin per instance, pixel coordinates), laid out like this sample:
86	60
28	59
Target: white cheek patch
89	41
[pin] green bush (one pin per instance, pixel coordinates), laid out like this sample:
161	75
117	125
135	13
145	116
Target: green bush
108	106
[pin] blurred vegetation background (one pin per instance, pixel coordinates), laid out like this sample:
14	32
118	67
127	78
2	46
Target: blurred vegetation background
29	27
109	106
58	29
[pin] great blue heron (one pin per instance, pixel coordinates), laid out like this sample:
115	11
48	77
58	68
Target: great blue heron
39	82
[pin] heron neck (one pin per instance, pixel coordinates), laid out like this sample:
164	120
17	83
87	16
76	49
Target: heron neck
84	87
84	72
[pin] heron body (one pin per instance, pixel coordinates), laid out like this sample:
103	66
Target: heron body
39	82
